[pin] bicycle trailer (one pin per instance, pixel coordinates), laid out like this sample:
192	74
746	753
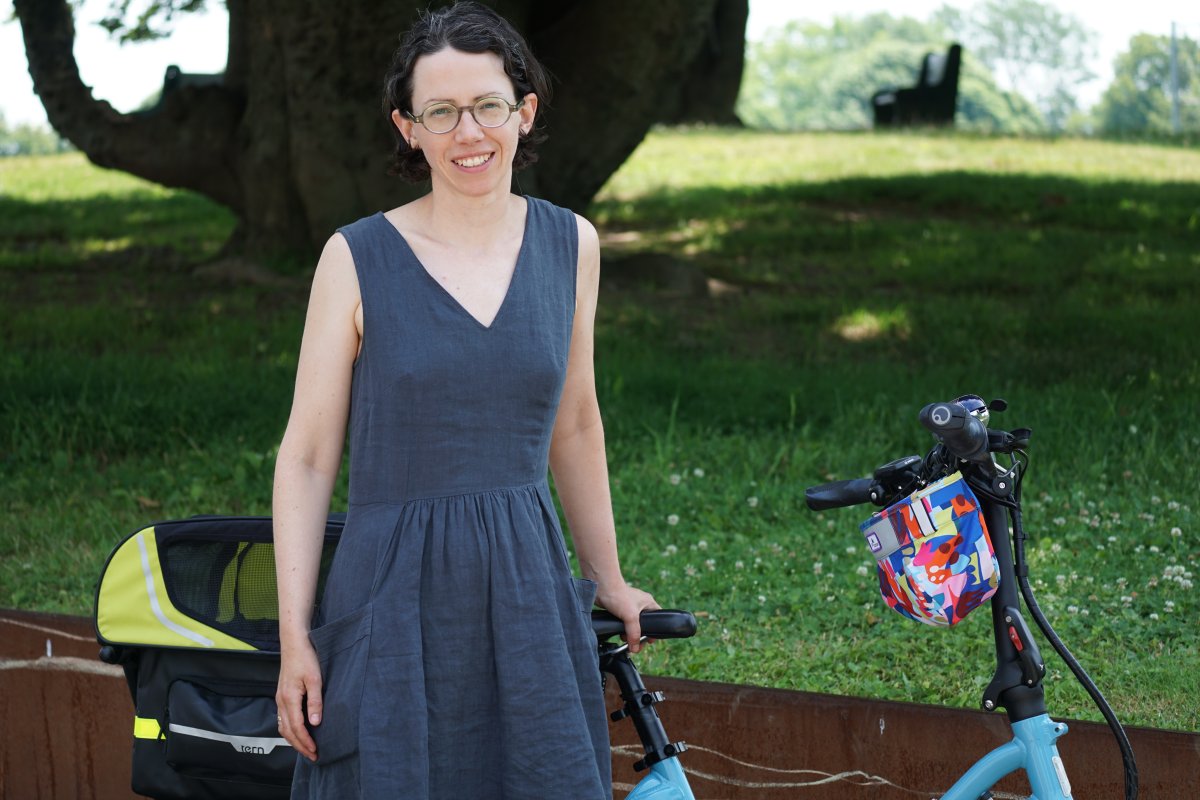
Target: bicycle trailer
189	609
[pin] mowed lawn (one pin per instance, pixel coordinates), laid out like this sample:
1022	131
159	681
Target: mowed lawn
775	310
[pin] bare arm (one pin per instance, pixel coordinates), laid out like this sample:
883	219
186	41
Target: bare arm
305	470
578	460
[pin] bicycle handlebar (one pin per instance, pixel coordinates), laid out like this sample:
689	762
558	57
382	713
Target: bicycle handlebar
840	494
963	434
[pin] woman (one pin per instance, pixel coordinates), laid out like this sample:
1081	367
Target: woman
453	656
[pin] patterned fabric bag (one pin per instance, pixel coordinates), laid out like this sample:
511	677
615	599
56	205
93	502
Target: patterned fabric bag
935	558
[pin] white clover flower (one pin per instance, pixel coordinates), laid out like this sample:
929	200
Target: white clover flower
1099	546
710	564
1112	539
1060	579
1133	430
762	599
818	567
738	565
1154	548
752	502
675	478
672	519
831	524
1153	615
1083	612
1126	599
1169	606
671	550
1056	548
758	562
1176	532
851	550
862	570
830	598
1072	609
1155	500
1060	521
702	544
1173	505
690	571
699	473
1139	548
1121	582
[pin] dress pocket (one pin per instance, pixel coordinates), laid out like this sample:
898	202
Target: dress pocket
342	647
585	594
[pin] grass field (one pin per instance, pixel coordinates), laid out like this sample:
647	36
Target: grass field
858	277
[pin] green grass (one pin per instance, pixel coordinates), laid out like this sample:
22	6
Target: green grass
864	276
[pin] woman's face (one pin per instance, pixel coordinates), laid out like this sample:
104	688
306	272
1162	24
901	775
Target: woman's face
470	159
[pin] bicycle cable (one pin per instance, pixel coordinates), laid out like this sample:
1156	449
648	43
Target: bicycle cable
1022	574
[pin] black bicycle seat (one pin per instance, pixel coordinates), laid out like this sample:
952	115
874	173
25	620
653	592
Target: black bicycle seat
669	623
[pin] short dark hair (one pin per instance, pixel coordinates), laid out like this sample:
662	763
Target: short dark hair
470	28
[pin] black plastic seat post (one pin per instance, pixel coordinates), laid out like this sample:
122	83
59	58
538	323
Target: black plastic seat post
639	702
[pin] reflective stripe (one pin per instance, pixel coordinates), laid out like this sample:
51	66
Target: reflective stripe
198	638
260	745
144	728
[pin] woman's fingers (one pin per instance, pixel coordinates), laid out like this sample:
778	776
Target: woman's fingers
291	697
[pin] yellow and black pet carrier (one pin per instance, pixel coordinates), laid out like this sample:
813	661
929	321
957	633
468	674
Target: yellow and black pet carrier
189	609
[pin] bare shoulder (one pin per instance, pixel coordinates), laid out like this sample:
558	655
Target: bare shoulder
589	250
335	274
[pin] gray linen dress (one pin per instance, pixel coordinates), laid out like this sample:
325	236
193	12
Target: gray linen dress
456	654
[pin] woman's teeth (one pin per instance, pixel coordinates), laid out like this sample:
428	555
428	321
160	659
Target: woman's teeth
473	161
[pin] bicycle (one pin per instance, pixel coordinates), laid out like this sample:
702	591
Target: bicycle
966	445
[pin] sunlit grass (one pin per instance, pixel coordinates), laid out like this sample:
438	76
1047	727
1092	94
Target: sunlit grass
866	275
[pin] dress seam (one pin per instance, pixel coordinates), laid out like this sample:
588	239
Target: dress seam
411	500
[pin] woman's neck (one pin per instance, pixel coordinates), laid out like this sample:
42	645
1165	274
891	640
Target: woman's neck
470	222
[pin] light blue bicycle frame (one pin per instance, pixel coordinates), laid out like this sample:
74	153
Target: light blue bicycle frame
1032	748
665	781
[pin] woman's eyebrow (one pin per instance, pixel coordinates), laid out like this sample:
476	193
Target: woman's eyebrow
499	94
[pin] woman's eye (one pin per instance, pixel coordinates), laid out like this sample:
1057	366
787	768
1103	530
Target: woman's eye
439	111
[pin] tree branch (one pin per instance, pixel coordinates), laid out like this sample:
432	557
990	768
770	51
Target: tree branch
187	141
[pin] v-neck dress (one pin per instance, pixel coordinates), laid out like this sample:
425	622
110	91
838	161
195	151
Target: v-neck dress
457	657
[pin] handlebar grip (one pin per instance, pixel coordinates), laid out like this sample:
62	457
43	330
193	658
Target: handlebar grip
962	432
839	494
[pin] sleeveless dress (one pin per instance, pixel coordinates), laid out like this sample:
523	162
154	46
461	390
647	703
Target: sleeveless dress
456	649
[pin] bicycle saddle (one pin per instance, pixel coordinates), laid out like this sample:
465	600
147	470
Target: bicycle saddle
668	623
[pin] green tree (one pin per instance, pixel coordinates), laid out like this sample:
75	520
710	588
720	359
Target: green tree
1139	98
1041	52
290	136
808	76
24	139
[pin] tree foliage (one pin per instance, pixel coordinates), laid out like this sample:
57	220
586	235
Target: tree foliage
1139	98
812	77
1041	52
24	139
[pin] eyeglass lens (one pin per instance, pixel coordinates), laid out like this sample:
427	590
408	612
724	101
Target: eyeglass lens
490	112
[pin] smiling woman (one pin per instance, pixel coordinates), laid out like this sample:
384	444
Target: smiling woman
454	335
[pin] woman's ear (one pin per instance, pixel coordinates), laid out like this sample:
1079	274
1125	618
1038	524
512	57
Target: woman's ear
406	127
528	112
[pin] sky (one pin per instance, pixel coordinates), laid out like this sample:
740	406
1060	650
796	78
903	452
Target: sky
125	76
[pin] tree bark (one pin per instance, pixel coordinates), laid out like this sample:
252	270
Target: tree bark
293	139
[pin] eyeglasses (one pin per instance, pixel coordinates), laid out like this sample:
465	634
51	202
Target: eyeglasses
490	112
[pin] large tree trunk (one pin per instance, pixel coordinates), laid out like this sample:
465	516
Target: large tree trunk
292	139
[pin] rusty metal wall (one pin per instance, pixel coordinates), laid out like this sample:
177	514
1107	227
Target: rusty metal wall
67	733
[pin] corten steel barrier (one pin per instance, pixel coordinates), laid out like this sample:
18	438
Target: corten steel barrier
67	734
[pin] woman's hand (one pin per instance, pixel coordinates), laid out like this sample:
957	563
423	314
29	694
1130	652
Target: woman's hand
628	603
299	686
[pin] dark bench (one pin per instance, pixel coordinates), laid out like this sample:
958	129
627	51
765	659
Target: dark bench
930	102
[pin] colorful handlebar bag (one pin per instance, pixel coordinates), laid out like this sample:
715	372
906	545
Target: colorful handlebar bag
934	556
